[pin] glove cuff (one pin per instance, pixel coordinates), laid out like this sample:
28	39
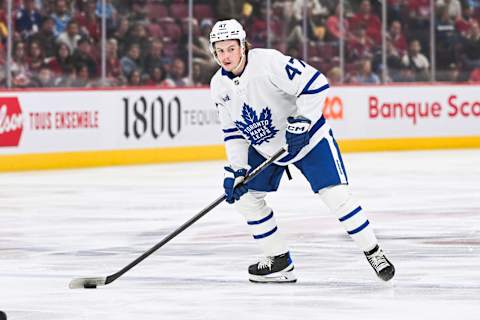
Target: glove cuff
298	125
235	173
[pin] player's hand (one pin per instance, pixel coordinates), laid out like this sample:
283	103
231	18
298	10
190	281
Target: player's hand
297	133
233	191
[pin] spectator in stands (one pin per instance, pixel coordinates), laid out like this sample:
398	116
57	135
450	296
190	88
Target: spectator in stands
257	26
62	61
19	68
364	74
475	75
61	16
397	37
365	19
418	20
138	12
314	6
111	14
360	45
46	7
120	34
462	25
316	12
471	47
183	41
446	40
452	74
82	79
44	78
394	63
135	78
396	10
121	8
333	26
453	7
200	46
131	61
199	77
67	79
88	21
207	62
28	19
445	28
157	77
83	56
229	9
178	76
155	56
114	69
138	34
334	76
36	58
416	61
406	74
474	4
70	36
419	10
46	37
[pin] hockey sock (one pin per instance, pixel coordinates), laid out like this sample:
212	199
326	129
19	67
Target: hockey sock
262	224
351	215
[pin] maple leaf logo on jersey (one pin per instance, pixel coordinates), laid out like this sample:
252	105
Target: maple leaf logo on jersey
257	129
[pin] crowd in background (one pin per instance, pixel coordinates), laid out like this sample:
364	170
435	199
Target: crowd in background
57	43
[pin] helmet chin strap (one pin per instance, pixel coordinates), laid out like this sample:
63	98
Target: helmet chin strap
240	63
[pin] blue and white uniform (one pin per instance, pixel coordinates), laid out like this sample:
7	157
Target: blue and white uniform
254	107
255	104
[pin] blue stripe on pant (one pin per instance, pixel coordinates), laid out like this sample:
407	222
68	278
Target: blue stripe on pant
357	230
266	234
351	214
258	222
261	220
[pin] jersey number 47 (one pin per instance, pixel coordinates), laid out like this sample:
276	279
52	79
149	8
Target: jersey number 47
291	70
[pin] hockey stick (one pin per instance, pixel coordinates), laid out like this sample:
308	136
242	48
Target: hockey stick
93	282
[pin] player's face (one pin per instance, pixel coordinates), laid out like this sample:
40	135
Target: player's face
228	53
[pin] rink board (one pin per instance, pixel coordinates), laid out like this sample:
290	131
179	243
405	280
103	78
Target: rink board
83	128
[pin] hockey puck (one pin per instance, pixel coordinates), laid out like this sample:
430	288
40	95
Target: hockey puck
90	286
3	315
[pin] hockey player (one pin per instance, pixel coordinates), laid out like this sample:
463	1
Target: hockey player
267	100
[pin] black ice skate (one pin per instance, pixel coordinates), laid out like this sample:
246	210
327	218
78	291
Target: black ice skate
382	266
273	269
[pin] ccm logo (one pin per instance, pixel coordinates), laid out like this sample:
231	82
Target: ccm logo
298	127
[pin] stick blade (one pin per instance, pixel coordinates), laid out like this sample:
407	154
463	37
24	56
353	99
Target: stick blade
87	283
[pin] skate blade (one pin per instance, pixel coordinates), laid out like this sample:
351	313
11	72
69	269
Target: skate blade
277	277
387	275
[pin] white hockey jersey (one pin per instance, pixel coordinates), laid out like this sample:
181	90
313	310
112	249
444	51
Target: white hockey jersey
254	106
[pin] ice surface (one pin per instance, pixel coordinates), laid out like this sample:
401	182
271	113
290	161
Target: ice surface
59	225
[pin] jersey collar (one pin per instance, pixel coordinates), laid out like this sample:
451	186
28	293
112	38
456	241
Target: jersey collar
229	74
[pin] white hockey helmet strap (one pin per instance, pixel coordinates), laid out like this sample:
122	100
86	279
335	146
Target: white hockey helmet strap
227	30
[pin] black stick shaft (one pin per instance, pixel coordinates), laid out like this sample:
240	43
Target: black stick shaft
187	224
